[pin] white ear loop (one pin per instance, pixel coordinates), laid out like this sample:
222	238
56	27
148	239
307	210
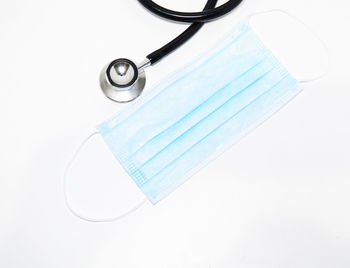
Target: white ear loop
67	199
323	43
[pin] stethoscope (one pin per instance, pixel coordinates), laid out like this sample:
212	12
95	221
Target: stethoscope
122	80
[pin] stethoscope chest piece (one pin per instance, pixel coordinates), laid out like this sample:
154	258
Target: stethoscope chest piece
122	80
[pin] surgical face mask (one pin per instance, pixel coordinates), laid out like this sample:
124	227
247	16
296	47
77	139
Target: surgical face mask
199	112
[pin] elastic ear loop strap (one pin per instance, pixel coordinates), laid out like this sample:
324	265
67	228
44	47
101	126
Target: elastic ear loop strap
67	199
323	43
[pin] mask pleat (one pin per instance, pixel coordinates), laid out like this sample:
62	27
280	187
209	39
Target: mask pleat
199	113
230	108
235	127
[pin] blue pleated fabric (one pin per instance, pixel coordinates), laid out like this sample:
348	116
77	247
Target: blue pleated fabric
200	111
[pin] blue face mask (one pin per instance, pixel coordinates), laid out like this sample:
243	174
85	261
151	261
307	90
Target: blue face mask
199	112
194	115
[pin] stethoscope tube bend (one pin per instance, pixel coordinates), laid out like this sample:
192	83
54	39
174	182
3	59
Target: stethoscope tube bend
123	81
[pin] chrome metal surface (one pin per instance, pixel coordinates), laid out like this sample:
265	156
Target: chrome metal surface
143	65
122	73
122	81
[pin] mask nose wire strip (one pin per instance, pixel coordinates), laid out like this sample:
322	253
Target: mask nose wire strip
312	32
66	188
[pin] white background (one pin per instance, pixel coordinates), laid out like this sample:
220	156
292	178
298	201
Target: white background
280	198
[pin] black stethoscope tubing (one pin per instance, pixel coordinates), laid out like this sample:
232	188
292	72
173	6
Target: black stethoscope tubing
198	19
